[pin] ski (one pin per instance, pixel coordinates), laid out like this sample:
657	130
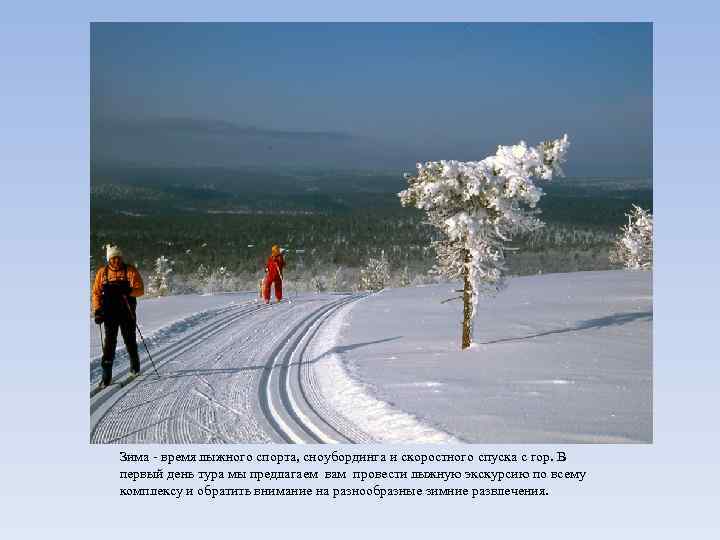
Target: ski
117	384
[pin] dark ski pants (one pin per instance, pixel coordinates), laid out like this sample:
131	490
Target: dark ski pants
127	328
278	289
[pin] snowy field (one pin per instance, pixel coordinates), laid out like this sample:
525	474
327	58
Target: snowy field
559	358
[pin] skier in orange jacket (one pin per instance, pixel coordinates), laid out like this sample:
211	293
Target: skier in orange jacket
274	274
114	298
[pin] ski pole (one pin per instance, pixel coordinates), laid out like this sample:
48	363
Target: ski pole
102	340
127	304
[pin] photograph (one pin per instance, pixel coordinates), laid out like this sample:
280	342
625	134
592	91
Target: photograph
370	232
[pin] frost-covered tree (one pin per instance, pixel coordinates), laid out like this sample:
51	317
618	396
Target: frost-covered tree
198	280
336	279
405	279
634	246
479	206
159	282
376	273
317	284
220	280
202	273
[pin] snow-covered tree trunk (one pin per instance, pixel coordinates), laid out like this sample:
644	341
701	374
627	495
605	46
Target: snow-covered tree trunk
467	323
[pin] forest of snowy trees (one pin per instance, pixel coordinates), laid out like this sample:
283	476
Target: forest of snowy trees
213	250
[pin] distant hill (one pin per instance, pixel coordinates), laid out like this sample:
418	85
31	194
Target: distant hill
185	142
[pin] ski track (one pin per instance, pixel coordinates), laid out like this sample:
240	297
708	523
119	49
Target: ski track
164	335
240	374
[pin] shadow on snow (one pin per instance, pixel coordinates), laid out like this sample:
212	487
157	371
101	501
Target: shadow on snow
617	319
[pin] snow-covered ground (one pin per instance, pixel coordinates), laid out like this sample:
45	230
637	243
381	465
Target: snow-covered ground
557	358
239	372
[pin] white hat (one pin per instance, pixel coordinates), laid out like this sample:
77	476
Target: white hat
112	251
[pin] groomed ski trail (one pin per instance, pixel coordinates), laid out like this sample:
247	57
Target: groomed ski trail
241	375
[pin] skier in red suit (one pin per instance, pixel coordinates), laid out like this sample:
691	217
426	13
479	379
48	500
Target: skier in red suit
274	274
